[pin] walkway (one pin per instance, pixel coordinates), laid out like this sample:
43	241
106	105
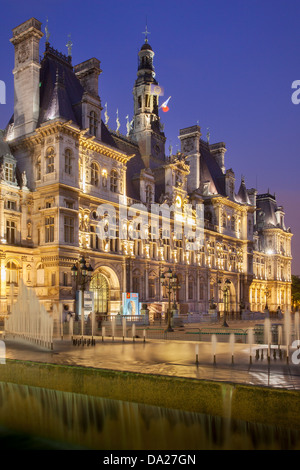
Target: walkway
172	358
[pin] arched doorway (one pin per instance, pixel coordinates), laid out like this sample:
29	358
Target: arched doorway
99	285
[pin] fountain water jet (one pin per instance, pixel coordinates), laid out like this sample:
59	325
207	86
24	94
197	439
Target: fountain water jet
287	332
214	347
267	335
250	338
231	343
29	320
124	327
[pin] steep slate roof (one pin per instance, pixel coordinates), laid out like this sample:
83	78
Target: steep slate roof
60	90
210	171
242	195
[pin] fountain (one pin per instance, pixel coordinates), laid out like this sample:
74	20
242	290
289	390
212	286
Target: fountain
133	331
214	347
29	320
279	340
124	327
287	332
113	327
267	335
297	327
231	345
197	353
250	338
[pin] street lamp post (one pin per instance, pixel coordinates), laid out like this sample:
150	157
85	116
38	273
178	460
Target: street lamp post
225	291
81	274
267	293
169	281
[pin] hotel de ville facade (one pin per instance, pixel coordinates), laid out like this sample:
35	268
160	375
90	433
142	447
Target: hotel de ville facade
61	164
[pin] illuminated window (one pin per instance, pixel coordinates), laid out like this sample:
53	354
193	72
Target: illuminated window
12	273
95	174
9	172
11	232
93	123
49	229
68	161
50	160
114	181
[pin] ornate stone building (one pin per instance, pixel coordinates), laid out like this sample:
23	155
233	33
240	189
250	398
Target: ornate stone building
62	166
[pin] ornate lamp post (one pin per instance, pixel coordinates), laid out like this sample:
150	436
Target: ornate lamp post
225	291
82	274
267	294
169	281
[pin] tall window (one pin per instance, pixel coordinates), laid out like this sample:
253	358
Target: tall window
50	160
93	123
49	229
9	172
11	232
12	275
68	161
69	229
95	174
114	181
38	169
148	194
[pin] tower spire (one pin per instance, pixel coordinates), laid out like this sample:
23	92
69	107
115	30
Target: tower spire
146	32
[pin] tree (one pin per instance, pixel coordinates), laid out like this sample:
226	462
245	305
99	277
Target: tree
295	292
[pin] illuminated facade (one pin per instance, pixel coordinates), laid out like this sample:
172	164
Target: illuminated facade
61	163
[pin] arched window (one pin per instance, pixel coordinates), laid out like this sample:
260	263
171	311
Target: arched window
114	181
12	273
50	160
93	122
68	161
95	172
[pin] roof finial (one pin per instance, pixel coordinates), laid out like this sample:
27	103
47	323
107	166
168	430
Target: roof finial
146	32
47	31
69	46
117	121
208	135
106	115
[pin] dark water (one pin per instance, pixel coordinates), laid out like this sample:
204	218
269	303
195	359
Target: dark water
36	419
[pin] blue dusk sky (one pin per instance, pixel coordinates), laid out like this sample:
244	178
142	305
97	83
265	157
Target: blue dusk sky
228	65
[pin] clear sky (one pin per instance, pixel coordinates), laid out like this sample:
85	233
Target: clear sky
228	65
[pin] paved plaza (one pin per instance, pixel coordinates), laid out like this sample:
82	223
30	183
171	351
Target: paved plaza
174	357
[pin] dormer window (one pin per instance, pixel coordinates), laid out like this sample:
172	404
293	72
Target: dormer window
9	172
93	122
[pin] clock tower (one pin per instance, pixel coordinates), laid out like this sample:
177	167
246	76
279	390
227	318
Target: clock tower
147	129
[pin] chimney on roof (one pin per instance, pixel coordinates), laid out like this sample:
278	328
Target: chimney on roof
218	152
